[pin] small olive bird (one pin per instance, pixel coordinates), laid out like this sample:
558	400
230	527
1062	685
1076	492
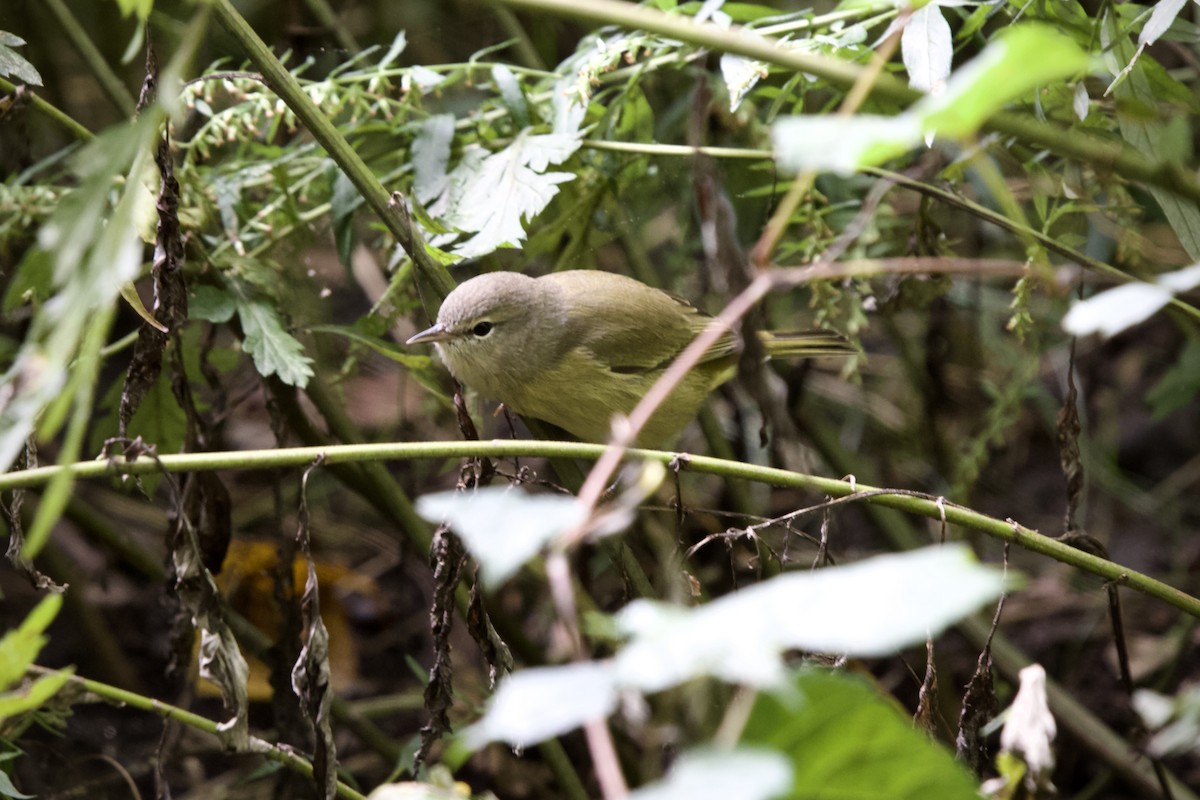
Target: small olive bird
576	348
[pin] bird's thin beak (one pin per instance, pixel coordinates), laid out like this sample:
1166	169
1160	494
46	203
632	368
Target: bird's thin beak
437	333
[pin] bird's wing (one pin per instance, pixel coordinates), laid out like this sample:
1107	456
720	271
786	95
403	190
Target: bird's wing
643	330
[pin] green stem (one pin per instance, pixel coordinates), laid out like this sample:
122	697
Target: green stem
127	698
909	502
52	112
432	275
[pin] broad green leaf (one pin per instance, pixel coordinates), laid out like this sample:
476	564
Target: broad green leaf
870	608
744	773
211	304
1009	68
275	351
537	704
844	740
503	528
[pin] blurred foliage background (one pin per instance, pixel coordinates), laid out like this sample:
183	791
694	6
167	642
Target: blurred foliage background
297	295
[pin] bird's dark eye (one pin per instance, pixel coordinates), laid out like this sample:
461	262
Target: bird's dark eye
482	328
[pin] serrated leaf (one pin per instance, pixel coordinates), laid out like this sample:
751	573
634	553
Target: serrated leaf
740	75
490	195
502	528
274	350
844	740
93	246
867	609
533	705
15	66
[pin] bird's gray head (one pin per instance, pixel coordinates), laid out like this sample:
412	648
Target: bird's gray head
485	326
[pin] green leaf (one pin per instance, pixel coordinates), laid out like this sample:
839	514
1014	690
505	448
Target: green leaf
161	422
93	246
344	201
33	696
7	789
431	155
503	528
1011	67
489	195
211	304
140	8
1149	135
275	351
13	65
844	740
20	647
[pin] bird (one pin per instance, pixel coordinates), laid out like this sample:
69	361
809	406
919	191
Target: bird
577	348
